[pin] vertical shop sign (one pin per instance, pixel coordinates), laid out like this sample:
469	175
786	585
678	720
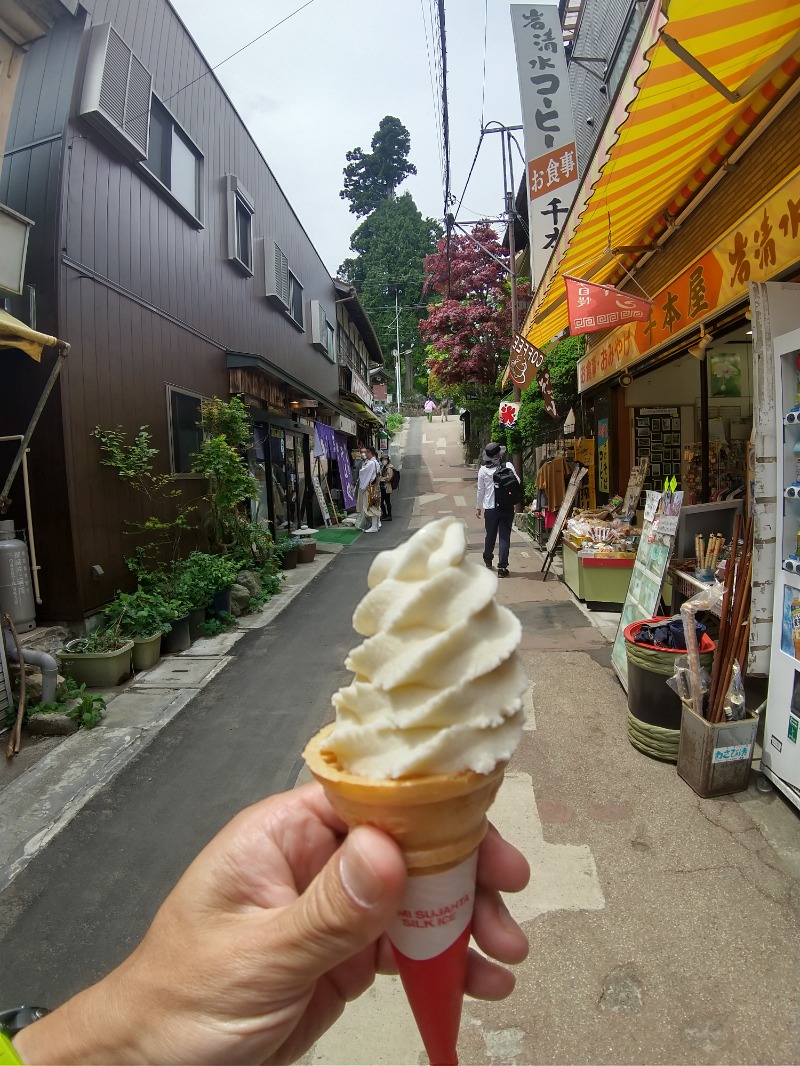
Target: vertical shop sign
647	577
550	156
545	383
603	476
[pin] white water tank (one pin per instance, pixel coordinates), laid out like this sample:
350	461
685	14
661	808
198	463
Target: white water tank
16	588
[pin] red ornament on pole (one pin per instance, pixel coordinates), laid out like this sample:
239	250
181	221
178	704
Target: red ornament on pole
592	308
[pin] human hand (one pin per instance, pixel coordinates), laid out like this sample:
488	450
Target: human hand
270	932
478	512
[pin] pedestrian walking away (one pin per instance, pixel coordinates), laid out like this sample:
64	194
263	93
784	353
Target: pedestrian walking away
444	408
386	477
369	491
495	506
429	408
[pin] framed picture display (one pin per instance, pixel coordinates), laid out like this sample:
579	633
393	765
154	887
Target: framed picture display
657	437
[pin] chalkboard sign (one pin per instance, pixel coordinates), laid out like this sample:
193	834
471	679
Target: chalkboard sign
578	474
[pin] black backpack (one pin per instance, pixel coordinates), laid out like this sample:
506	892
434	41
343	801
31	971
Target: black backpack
395	479
507	489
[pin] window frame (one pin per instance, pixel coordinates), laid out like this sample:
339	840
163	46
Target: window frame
295	291
176	129
238	197
171	391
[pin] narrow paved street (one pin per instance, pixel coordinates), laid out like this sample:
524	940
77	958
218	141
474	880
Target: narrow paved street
651	913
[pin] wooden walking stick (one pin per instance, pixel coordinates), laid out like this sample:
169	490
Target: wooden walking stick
15	737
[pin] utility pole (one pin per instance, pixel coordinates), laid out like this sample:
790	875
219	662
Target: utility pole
397	350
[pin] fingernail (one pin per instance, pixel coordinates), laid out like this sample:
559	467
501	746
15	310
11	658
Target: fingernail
359	879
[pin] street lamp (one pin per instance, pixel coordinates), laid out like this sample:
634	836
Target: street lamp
396	354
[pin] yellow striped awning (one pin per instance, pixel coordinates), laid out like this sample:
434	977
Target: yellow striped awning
670	130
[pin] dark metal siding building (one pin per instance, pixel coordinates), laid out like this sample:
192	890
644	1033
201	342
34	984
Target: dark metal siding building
175	266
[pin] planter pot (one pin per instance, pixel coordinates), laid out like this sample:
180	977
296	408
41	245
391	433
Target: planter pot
289	559
196	619
177	639
146	652
306	553
221	604
97	669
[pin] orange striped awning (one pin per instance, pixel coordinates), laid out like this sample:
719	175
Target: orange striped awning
670	131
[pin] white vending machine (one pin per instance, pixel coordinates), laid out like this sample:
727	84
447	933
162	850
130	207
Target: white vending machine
780	760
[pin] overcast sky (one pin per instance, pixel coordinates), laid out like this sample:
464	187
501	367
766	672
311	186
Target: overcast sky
319	85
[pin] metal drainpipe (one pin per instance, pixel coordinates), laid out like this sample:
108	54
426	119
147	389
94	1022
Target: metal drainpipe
46	663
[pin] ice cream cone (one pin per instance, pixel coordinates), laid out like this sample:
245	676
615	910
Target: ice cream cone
438	820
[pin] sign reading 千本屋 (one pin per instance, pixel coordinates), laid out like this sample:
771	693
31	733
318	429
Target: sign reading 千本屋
551	159
757	248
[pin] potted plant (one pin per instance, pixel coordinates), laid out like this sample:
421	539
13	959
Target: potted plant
287	551
144	617
197	579
307	550
99	660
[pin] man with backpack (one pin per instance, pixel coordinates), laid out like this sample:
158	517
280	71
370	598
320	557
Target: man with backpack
388	478
499	490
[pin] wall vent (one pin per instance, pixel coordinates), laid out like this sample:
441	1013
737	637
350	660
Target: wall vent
116	92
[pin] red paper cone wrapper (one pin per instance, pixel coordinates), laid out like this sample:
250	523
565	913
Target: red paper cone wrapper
430	938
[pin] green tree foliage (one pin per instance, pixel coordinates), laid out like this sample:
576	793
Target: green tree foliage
390	247
372	177
535	426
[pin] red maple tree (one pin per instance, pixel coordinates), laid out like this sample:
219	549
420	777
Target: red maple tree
469	329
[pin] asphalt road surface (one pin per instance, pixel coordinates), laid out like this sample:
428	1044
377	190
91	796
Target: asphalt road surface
85	901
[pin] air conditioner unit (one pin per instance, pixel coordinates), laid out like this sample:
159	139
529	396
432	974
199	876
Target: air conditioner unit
319	327
276	273
116	92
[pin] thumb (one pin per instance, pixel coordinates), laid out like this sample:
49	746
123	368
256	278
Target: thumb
346	907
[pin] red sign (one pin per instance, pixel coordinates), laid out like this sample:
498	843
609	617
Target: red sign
509	412
592	308
550	171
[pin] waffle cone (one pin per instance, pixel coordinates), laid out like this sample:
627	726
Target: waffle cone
437	819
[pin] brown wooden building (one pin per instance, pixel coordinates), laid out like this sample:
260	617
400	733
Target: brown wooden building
167	254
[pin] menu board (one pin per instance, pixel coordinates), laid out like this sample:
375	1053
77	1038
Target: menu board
647	577
657	437
633	492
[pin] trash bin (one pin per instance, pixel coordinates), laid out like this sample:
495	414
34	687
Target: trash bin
654	709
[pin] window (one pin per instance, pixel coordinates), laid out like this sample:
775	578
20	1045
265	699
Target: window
295	299
173	159
185	431
240	225
331	343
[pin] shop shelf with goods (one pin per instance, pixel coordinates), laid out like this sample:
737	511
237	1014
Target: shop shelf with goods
727	470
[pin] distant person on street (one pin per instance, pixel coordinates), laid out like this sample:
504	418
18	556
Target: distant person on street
275	926
444	408
496	519
369	491
429	408
387	473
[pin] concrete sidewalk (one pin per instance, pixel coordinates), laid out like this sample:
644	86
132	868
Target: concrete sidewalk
663	927
51	779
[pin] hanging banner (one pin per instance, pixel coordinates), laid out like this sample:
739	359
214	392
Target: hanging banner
333	444
545	383
759	247
525	360
594	307
509	414
603	458
550	156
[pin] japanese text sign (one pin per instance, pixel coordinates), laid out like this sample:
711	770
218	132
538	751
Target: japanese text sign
595	307
551	160
759	247
509	413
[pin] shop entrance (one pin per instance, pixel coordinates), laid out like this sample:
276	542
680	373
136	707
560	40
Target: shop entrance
279	462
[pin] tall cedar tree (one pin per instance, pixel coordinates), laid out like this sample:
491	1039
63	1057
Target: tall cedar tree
469	331
391	245
372	177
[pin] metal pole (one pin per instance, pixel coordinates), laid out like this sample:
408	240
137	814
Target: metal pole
512	255
397	337
4	500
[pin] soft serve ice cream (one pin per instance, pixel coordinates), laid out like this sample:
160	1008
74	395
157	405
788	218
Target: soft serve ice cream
419	746
438	683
